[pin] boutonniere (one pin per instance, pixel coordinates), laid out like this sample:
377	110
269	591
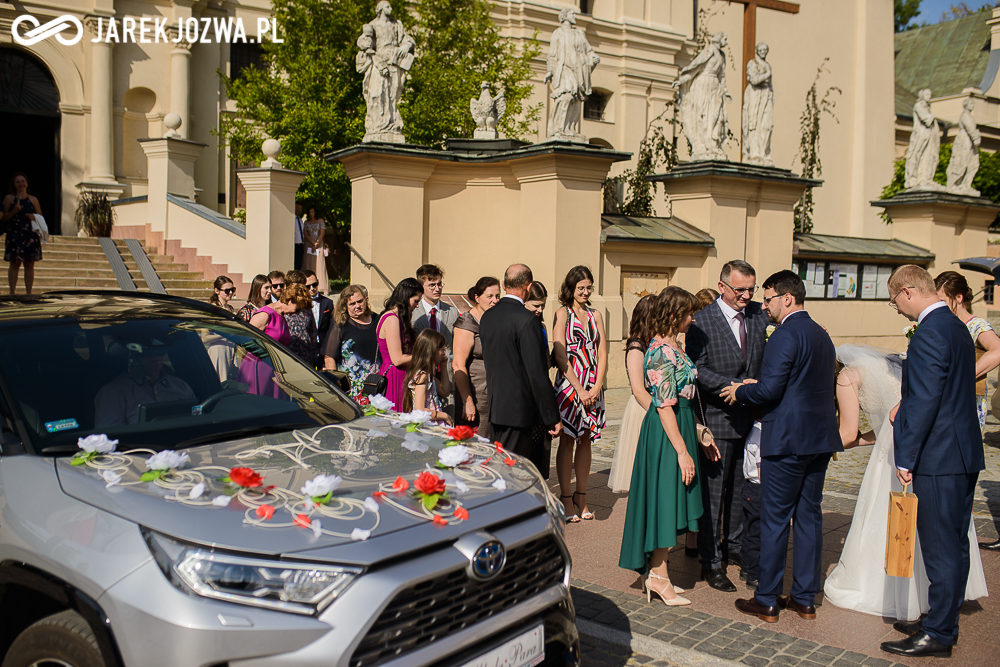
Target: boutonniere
768	331
909	331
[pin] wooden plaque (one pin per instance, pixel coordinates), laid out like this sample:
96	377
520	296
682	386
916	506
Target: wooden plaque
901	534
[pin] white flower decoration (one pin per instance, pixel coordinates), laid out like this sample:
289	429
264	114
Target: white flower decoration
453	456
415	446
168	459
380	402
98	442
462	486
360	534
415	417
321	485
112	478
500	485
371	504
197	491
372	433
221	501
317	528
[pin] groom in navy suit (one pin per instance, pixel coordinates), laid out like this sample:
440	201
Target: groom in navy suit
939	449
799	434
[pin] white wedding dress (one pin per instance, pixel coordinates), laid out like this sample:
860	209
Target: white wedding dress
859	581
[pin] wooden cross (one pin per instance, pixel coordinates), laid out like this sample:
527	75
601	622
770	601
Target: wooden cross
750	29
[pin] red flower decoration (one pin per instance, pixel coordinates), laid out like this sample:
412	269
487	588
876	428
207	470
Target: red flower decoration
462	513
265	512
246	478
362	399
499	446
400	484
303	520
462	432
429	484
439	521
510	461
379	494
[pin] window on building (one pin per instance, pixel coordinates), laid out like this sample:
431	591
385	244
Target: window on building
242	56
844	280
988	293
586	6
594	106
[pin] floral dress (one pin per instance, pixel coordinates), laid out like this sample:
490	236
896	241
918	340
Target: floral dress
581	355
660	506
23	245
978	326
302	327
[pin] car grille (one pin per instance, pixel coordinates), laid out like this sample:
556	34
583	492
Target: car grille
436	608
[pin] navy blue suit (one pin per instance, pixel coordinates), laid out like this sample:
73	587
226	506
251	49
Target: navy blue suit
799	433
936	436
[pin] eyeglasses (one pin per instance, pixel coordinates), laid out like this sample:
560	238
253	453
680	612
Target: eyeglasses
277	286
892	301
740	291
230	290
767	299
434	286
314	285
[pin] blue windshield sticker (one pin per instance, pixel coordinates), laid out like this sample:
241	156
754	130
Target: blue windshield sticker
61	425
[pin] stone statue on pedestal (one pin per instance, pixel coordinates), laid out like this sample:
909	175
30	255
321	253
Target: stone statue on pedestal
925	145
385	57
702	100
487	112
758	110
964	154
569	65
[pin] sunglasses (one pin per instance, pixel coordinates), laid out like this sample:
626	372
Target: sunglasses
230	290
278	286
313	285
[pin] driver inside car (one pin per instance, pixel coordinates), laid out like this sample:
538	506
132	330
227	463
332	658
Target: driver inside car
143	383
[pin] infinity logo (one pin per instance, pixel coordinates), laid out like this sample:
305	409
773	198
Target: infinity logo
53	28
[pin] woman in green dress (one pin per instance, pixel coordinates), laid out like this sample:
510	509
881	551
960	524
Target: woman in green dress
664	499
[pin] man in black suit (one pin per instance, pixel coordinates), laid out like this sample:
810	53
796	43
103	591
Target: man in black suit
322	309
726	343
520	393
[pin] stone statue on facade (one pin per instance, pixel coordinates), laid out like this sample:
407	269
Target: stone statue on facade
925	145
964	154
758	110
385	58
569	65
487	112
702	101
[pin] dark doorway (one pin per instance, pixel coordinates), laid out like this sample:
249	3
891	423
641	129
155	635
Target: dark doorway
29	140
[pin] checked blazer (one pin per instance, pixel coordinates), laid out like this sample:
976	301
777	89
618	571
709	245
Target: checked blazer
715	351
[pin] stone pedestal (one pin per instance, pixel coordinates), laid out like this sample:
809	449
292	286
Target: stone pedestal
270	216
951	226
170	170
476	208
747	209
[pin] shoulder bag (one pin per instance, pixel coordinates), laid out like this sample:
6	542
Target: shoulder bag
704	434
376	383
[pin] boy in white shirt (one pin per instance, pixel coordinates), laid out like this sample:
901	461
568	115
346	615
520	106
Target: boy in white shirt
750	548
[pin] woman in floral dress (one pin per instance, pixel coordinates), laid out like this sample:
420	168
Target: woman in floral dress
352	344
664	494
582	358
301	324
23	246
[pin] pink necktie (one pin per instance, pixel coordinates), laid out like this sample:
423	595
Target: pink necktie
434	319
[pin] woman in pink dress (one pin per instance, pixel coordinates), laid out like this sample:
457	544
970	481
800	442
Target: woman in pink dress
395	337
256	369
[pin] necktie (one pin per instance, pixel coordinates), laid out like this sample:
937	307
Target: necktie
434	319
743	333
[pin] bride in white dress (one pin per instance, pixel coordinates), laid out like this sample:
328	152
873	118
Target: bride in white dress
871	380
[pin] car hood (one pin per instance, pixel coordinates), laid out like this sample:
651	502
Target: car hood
370	455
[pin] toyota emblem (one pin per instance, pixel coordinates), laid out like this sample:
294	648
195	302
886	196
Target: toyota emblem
488	560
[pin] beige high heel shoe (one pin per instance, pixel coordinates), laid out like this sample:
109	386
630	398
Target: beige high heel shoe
676	601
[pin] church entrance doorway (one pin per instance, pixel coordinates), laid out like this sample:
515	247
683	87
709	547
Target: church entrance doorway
29	131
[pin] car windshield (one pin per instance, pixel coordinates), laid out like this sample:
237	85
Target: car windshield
160	382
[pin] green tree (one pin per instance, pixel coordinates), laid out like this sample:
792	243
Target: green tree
962	9
809	129
307	93
905	11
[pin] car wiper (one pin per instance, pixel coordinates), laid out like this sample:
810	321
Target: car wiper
241	432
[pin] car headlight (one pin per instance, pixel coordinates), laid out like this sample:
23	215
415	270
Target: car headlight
300	588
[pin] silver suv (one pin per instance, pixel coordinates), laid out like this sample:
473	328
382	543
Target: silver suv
179	489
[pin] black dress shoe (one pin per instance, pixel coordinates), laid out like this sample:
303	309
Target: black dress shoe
807	612
909	628
752	584
919	645
754	608
990	546
718	580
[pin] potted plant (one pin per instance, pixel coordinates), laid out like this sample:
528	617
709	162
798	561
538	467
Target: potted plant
94	214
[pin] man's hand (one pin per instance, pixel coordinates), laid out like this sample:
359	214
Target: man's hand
556	430
905	477
711	451
729	393
892	414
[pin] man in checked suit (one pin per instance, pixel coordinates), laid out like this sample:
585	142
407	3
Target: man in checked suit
726	343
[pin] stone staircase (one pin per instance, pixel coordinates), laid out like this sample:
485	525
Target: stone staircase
70	263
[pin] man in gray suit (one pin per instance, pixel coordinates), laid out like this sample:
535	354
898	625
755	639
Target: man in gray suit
433	313
726	343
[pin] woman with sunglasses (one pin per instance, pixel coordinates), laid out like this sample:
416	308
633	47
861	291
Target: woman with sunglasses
260	296
223	292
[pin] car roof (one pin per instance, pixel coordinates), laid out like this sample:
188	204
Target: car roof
18	310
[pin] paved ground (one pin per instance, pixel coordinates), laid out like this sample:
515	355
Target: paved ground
620	628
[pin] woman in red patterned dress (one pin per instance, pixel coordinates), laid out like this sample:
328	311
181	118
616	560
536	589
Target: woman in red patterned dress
582	359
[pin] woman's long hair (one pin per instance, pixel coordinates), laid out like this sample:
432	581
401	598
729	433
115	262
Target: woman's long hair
537	292
297	294
669	309
638	326
219	282
955	285
424	358
254	297
340	315
399	303
575	275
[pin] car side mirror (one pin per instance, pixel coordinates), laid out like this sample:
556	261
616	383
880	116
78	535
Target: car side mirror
340	379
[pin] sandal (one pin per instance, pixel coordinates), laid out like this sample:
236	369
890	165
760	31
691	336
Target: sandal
575	518
586	515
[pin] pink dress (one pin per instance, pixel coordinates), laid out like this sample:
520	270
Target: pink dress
394	374
256	372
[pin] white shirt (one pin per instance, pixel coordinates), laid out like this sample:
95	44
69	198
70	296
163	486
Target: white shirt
316	315
298	229
514	296
428	307
794	312
751	455
730	314
928	309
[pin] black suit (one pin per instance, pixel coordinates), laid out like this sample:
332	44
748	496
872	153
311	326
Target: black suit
323	324
520	394
716	352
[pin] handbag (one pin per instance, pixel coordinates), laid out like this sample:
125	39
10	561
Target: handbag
900	534
375	383
704	434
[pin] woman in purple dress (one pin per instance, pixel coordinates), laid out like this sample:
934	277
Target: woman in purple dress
395	337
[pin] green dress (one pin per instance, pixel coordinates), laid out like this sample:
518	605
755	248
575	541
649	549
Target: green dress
660	505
